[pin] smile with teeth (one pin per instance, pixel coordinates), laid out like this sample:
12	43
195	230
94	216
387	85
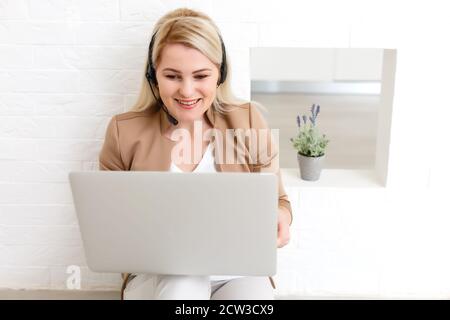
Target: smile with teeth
189	104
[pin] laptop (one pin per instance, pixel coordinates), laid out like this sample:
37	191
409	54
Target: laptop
178	223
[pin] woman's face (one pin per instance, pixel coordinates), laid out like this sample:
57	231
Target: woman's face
186	75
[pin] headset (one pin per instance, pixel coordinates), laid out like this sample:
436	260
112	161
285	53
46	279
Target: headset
151	75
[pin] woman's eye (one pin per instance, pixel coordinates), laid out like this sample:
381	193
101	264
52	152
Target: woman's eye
196	77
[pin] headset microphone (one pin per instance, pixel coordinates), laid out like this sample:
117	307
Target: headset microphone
169	116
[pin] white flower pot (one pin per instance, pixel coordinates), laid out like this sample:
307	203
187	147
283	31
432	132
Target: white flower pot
310	167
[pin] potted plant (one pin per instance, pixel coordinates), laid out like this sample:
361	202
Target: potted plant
310	146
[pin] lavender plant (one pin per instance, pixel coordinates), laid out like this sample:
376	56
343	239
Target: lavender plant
309	142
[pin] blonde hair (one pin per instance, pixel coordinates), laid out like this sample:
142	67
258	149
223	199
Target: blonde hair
195	30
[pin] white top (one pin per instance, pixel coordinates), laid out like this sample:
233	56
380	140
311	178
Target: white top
206	164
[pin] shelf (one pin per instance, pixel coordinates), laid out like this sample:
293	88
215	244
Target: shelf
333	178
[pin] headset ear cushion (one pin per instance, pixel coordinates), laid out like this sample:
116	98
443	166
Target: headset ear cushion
223	73
223	66
153	75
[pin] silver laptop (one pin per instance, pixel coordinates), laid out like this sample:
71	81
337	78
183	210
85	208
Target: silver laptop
178	223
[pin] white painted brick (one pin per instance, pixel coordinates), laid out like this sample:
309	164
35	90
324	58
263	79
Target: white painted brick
15	57
332	282
301	34
287	282
249	11
205	6
55	57
49	150
37	215
90	57
369	13
72	150
129	100
321	12
116	34
77	105
40	235
15	104
367	35
110	81
138	10
24	277
353	272
35	256
105	10
13	32
290	271
172	4
13	9
39	81
68	150
51	9
17	127
35	193
248	34
54	127
37	171
12	149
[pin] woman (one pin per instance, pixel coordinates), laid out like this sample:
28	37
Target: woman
186	94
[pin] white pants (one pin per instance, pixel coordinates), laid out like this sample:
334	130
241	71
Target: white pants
172	287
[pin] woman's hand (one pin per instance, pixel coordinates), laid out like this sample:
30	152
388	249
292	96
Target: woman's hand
284	218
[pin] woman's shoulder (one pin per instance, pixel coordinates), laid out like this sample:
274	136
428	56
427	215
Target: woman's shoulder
134	119
137	115
246	115
131	123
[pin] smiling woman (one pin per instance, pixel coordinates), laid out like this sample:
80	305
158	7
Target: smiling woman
186	86
187	82
195	39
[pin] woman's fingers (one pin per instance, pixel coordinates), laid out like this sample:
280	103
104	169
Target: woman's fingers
283	234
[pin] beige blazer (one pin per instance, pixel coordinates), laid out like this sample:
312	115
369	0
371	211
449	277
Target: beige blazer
134	141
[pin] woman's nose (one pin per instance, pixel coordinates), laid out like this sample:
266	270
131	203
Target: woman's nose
187	88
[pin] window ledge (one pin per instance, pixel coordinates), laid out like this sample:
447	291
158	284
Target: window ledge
333	178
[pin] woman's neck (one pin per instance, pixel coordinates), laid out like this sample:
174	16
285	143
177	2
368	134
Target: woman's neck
190	126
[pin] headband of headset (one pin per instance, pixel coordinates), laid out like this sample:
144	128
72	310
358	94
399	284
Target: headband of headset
151	73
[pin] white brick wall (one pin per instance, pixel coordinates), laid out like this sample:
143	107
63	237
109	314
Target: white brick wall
67	66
